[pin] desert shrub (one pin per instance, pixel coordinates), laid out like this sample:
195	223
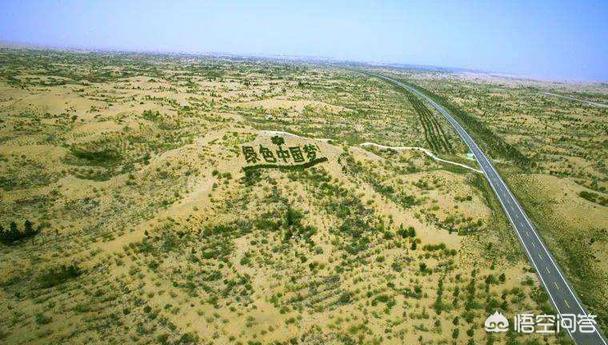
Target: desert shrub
294	227
594	197
13	234
59	275
438	305
251	177
409	232
345	298
416	293
389	301
396	266
433	247
163	338
151	115
96	154
42	319
188	338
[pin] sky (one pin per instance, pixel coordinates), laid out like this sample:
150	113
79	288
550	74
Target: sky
545	39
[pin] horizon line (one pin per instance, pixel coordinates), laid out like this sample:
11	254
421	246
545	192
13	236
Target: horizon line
4	44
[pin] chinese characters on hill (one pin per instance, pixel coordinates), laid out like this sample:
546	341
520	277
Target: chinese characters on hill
279	153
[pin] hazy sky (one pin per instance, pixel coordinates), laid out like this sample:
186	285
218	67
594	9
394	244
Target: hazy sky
540	38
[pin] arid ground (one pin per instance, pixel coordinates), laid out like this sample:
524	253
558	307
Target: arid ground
188	199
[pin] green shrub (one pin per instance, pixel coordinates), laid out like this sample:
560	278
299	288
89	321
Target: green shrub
345	298
96	156
42	319
59	275
13	234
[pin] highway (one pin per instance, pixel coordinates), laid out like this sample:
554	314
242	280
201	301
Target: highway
584	101
560	292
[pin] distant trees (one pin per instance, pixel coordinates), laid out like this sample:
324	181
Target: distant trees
13	234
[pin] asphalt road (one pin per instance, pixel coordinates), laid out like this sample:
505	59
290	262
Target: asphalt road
584	101
559	290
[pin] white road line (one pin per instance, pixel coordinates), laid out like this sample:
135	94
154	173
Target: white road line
550	257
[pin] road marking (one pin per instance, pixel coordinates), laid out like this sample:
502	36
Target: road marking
567	305
547	269
556	286
550	258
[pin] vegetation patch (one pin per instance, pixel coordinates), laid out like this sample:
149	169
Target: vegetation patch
96	156
59	275
482	133
13	234
433	132
594	197
286	167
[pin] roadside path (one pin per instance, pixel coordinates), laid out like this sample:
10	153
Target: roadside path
396	148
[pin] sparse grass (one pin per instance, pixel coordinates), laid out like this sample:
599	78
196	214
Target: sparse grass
135	164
